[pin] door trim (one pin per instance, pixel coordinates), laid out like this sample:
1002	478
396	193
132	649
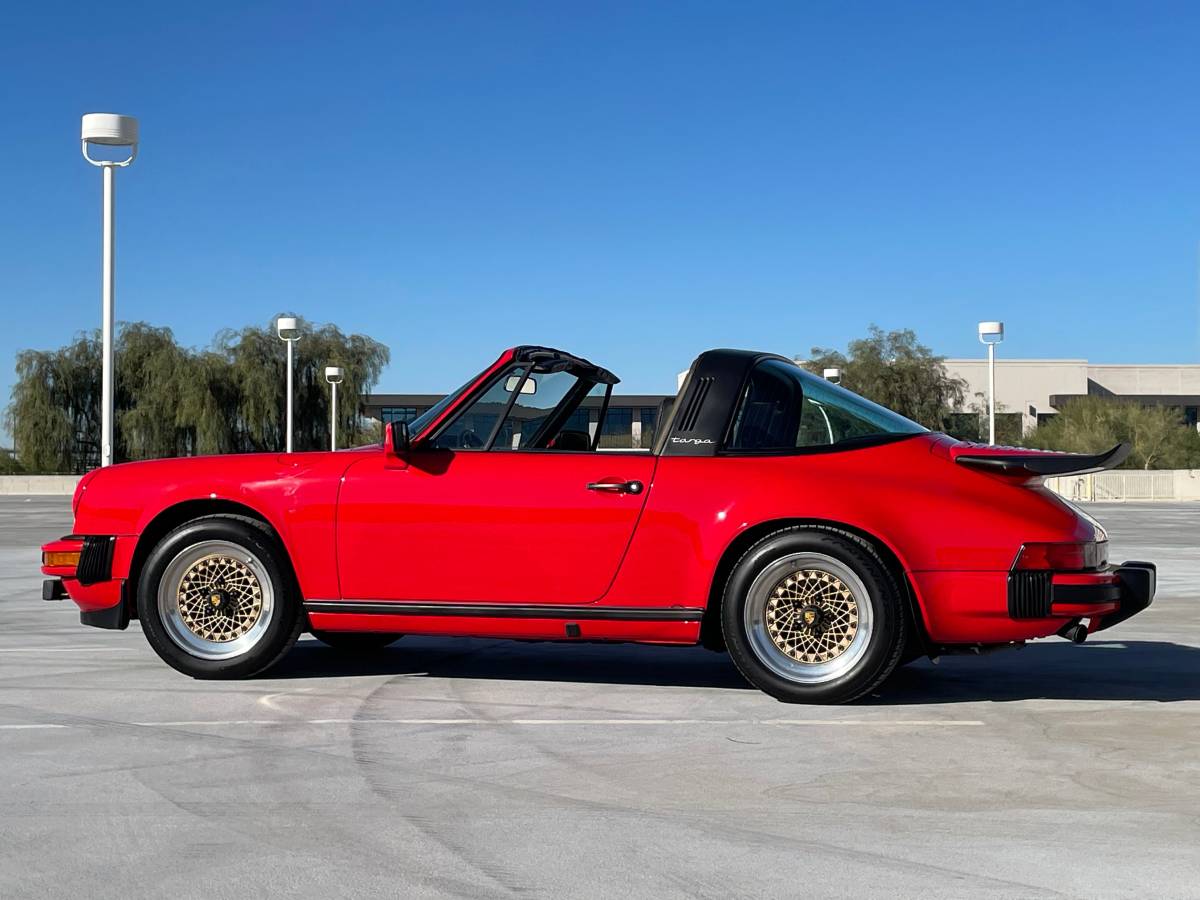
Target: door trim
507	610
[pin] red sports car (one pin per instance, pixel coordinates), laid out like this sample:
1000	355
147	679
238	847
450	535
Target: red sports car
820	538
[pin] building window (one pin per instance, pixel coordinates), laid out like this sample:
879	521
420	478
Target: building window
617	430
398	414
577	421
649	417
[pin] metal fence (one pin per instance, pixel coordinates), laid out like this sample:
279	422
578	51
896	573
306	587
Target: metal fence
1169	484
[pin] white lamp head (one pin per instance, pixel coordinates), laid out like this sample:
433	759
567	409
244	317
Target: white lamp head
334	374
287	328
991	332
109	130
834	375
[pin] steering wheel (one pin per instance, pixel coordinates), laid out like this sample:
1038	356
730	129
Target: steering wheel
470	440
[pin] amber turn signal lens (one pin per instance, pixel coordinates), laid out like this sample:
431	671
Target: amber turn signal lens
61	558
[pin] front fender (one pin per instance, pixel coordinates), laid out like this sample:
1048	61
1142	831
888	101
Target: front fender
295	494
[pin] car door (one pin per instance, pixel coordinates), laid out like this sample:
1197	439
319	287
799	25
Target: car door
521	522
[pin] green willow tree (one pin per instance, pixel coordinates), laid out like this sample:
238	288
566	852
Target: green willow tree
897	371
174	401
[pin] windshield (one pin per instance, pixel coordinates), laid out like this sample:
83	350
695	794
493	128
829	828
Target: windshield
421	422
786	408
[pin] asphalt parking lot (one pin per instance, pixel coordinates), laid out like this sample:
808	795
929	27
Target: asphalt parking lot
487	769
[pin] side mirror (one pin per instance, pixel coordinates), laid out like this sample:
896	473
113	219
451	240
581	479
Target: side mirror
395	439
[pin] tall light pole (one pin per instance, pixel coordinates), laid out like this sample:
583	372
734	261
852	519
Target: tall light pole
334	375
109	130
288	330
991	333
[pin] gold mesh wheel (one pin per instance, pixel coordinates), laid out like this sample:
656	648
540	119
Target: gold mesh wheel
220	598
808	617
812	616
216	599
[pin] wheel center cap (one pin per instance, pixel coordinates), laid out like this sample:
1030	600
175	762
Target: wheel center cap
219	600
812	617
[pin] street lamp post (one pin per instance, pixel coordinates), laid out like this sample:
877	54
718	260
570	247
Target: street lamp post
991	333
334	375
110	130
288	330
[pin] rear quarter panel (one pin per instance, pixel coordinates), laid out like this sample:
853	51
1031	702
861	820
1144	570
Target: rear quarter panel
933	514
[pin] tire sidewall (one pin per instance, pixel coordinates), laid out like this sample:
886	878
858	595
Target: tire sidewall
887	637
281	632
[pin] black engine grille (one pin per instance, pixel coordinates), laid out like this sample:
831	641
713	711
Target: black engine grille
95	561
1029	595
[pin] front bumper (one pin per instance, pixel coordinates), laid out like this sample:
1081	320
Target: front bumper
96	583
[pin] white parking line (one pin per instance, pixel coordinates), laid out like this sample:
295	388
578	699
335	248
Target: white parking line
835	723
64	649
32	726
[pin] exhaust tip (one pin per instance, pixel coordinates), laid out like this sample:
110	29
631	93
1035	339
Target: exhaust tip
1076	634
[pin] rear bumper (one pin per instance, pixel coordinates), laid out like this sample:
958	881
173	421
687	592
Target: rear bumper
1106	597
996	607
1135	587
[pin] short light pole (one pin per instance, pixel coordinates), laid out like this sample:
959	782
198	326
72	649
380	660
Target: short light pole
288	330
991	333
334	375
834	375
109	130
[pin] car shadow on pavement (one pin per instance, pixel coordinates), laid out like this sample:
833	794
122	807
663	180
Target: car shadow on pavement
585	663
1098	670
1054	670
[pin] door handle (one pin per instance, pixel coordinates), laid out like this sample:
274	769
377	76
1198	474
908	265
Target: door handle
616	487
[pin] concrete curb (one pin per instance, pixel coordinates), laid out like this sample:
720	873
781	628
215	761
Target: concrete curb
38	484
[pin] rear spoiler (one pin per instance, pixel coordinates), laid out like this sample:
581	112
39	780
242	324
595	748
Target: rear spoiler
1041	463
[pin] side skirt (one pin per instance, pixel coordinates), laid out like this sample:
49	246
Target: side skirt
508	610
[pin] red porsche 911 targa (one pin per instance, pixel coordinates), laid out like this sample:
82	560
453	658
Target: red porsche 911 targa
820	538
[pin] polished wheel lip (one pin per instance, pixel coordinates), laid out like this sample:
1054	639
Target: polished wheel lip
769	651
186	626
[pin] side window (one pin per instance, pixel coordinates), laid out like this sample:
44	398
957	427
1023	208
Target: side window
785	408
769	415
542	394
816	424
471	430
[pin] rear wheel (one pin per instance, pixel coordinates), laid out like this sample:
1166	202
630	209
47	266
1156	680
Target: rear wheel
813	616
357	641
215	600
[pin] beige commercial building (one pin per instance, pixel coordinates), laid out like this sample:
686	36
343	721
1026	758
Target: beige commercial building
1036	388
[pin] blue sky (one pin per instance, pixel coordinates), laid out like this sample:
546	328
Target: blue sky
633	182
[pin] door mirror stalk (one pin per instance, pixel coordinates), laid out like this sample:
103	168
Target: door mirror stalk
395	443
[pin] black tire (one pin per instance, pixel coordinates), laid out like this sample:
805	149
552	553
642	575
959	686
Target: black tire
766	660
357	641
271	572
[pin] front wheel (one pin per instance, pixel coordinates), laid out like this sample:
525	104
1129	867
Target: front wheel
216	601
813	616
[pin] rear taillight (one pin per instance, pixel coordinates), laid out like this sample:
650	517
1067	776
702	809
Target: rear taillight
1078	557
